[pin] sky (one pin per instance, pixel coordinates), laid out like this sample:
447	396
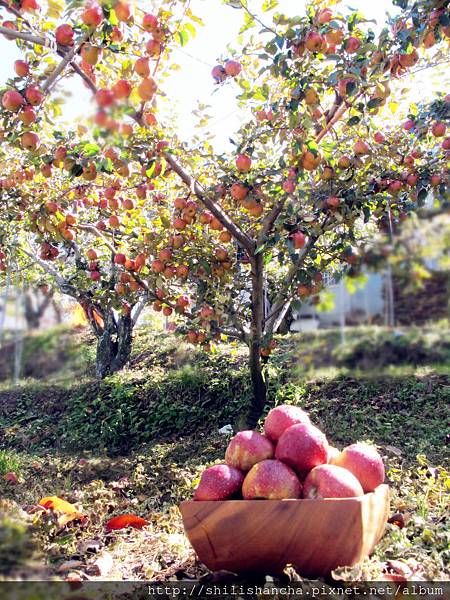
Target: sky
193	82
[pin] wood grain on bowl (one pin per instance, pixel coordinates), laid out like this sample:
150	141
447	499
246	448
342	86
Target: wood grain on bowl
262	536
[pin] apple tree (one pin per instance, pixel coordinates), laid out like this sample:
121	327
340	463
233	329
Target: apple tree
122	213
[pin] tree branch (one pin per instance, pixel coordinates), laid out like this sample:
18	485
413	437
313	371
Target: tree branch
68	57
14	12
269	220
230	333
84	76
97	233
281	299
215	209
28	37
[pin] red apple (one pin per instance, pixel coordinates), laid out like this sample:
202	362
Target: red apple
271	480
123	11
289	186
243	163
314	41
92	16
30	141
330	481
21	68
364	462
238	191
64	35
324	16
438	129
153	48
141	67
33	95
233	68
352	45
28	115
149	22
104	97
360	148
298	239
219	482
247	448
302	447
121	89
281	417
12	100
120	259
219	73
147	88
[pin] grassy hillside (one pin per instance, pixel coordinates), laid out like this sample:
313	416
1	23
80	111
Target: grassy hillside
137	441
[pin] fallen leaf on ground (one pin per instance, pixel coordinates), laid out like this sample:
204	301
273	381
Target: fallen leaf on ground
68	511
397	519
126	521
57	504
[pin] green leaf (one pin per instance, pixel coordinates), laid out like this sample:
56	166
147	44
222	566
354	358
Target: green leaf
183	37
353	121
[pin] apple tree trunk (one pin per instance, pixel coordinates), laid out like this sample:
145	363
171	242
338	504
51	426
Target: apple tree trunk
259	384
114	340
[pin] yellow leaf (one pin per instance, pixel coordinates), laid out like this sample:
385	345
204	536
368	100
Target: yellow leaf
394	107
58	505
55	8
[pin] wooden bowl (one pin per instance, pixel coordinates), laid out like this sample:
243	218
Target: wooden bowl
263	536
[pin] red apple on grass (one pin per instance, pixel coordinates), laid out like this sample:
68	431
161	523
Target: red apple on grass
271	480
281	417
330	481
219	482
247	448
302	447
364	462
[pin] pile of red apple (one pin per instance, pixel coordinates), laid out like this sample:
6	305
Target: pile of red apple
292	459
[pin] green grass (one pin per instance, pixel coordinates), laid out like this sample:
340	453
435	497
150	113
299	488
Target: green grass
9	461
137	442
